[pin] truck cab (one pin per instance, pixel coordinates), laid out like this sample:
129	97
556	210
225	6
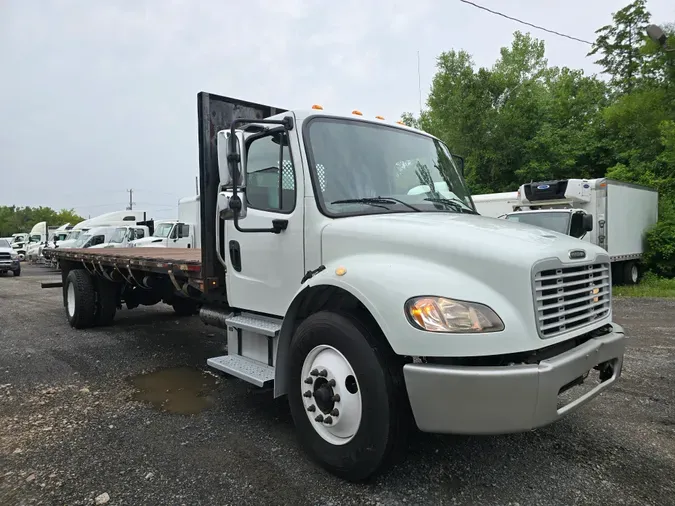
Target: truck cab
122	237
573	222
168	234
350	289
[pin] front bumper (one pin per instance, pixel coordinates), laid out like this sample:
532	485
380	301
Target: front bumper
499	400
9	265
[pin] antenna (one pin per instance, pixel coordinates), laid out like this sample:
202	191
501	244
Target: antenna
419	81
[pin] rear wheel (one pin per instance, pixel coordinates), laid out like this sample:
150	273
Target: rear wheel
80	299
347	396
631	273
106	303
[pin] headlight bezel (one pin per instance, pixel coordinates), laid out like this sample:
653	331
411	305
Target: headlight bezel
13	255
479	309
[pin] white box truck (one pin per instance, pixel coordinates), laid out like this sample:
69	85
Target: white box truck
370	307
611	214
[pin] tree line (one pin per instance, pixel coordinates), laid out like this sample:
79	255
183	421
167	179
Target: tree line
523	120
21	219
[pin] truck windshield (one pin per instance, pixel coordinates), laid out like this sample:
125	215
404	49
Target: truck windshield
74	234
556	221
118	235
163	230
363	168
82	240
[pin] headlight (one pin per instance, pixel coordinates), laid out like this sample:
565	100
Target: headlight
438	314
13	255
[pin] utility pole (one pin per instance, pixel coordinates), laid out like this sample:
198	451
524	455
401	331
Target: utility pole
131	199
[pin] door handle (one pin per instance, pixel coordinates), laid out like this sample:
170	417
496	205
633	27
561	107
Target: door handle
235	255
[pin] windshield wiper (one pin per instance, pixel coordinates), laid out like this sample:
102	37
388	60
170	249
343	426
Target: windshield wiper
376	201
456	204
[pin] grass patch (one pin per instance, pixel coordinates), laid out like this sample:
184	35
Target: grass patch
649	286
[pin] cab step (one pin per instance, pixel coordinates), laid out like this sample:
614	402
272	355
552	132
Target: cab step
265	326
244	368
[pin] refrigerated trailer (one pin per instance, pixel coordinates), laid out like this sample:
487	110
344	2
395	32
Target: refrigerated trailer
338	287
611	214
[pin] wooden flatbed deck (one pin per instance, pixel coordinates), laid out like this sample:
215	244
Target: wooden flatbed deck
161	260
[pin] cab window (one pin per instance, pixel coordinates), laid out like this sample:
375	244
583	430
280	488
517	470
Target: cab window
270	175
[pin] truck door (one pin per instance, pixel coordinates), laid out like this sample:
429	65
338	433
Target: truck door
264	269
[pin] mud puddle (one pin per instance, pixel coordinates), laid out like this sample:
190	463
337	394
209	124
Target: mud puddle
180	390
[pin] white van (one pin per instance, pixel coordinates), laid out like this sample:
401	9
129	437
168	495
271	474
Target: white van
113	219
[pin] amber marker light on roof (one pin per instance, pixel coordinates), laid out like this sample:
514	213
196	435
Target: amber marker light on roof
358	113
379	117
318	107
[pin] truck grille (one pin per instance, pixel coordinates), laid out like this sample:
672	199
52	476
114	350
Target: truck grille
5	256
567	298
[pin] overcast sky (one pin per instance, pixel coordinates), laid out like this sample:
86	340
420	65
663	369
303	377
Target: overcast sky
100	96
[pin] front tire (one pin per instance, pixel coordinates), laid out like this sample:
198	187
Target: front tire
347	396
17	272
80	300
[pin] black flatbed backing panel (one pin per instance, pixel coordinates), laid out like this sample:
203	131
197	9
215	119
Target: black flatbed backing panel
160	260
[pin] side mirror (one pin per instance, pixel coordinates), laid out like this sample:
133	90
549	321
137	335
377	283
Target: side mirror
224	210
231	146
587	222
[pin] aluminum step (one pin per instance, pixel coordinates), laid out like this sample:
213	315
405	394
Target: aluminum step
254	372
259	324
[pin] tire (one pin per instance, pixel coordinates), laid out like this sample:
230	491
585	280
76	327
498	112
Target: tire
17	272
184	307
106	303
384	417
631	273
80	299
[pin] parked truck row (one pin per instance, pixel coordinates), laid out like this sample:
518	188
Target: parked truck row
346	263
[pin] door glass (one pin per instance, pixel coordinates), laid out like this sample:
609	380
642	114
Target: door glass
267	187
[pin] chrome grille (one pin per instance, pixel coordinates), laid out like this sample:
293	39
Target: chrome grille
567	298
5	256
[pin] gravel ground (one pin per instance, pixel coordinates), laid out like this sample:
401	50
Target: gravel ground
73	428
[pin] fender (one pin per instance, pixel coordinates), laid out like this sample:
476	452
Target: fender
383	282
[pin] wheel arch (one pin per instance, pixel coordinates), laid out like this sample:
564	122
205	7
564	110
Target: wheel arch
310	300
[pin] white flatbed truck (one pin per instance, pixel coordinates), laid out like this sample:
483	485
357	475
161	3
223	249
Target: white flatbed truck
342	290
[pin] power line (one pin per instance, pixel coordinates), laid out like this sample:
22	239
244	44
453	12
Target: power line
526	23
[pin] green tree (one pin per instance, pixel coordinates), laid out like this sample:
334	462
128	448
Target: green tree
21	219
620	43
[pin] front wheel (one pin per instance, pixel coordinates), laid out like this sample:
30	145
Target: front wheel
346	396
17	272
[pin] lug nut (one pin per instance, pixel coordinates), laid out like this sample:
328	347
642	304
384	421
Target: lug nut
309	381
328	420
331	383
323	373
312	408
335	398
319	418
335	412
314	372
308	393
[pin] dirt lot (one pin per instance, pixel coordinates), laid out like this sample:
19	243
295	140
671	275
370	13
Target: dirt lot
74	424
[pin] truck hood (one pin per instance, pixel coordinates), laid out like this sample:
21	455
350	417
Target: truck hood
392	257
449	238
6	250
148	241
